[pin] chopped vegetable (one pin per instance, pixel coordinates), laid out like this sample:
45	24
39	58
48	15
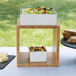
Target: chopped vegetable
38	10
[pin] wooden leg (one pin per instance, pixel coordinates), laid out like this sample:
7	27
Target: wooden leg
54	40
56	36
58	44
18	54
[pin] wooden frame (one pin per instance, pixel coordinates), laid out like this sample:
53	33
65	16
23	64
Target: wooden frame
52	57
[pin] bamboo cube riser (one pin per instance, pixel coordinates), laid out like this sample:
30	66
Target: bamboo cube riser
55	55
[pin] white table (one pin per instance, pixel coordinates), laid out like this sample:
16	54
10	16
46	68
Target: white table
67	65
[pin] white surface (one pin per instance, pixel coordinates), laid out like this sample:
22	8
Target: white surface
38	56
67	65
38	19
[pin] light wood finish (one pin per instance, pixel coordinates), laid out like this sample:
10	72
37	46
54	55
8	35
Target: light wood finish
56	39
25	60
53	57
58	44
18	37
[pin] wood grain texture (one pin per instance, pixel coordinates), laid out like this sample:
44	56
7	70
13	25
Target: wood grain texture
58	44
25	60
56	41
52	58
18	45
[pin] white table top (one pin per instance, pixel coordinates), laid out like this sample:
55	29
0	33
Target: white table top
67	65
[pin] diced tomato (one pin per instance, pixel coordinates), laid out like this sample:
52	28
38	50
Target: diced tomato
45	11
31	9
42	47
38	9
31	46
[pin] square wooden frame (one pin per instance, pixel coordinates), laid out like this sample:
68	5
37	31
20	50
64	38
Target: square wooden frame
53	57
